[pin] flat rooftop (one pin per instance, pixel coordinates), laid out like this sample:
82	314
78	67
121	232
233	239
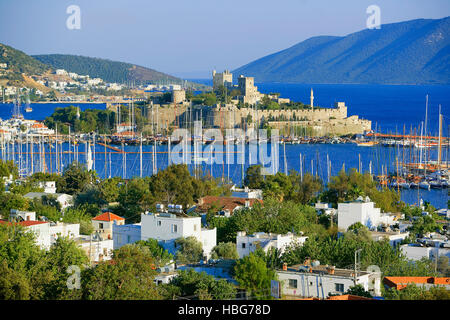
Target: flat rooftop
322	269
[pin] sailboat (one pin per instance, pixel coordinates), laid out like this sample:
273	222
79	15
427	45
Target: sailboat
28	108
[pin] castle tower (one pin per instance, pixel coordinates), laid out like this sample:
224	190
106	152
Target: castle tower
312	99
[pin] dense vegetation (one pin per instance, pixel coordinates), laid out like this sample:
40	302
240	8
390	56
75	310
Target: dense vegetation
33	273
19	62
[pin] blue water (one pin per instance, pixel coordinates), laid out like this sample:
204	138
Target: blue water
43	110
390	107
314	161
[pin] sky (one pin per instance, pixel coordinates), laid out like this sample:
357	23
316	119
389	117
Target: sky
189	38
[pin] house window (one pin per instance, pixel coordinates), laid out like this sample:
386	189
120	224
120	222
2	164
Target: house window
292	284
100	225
159	223
339	287
195	227
243	246
174	228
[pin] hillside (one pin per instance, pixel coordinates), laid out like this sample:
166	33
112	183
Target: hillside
110	71
18	63
411	52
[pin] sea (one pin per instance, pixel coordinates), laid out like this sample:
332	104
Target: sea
391	108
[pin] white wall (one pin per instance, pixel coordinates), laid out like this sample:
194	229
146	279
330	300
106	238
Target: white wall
363	212
264	241
312	285
417	253
126	234
71	230
166	229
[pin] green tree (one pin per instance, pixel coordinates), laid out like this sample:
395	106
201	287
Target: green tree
189	250
62	254
358	290
128	276
253	275
204	287
253	177
225	250
160	255
74	179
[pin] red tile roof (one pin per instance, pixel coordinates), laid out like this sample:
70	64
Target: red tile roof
348	297
223	203
25	223
401	282
107	216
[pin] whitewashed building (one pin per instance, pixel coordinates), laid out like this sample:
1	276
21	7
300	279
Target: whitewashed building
65	200
45	232
103	224
319	281
363	211
125	234
96	248
246	193
49	186
416	252
166	227
246	244
394	237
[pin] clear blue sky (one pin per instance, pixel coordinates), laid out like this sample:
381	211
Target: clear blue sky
188	38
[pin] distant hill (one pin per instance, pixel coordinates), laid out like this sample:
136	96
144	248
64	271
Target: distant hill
19	63
110	71
411	52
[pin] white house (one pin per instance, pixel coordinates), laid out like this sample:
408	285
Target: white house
96	248
306	281
60	229
125	234
41	230
49	186
61	72
246	193
65	200
394	237
245	244
103	224
363	211
417	252
166	227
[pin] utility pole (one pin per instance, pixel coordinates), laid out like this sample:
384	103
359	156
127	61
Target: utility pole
357	263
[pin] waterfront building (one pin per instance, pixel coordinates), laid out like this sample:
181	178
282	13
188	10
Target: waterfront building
249	92
222	79
178	96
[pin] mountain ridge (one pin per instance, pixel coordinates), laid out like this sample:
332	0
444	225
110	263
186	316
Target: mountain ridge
410	52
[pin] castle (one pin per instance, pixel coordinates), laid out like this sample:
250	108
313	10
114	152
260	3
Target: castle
243	112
